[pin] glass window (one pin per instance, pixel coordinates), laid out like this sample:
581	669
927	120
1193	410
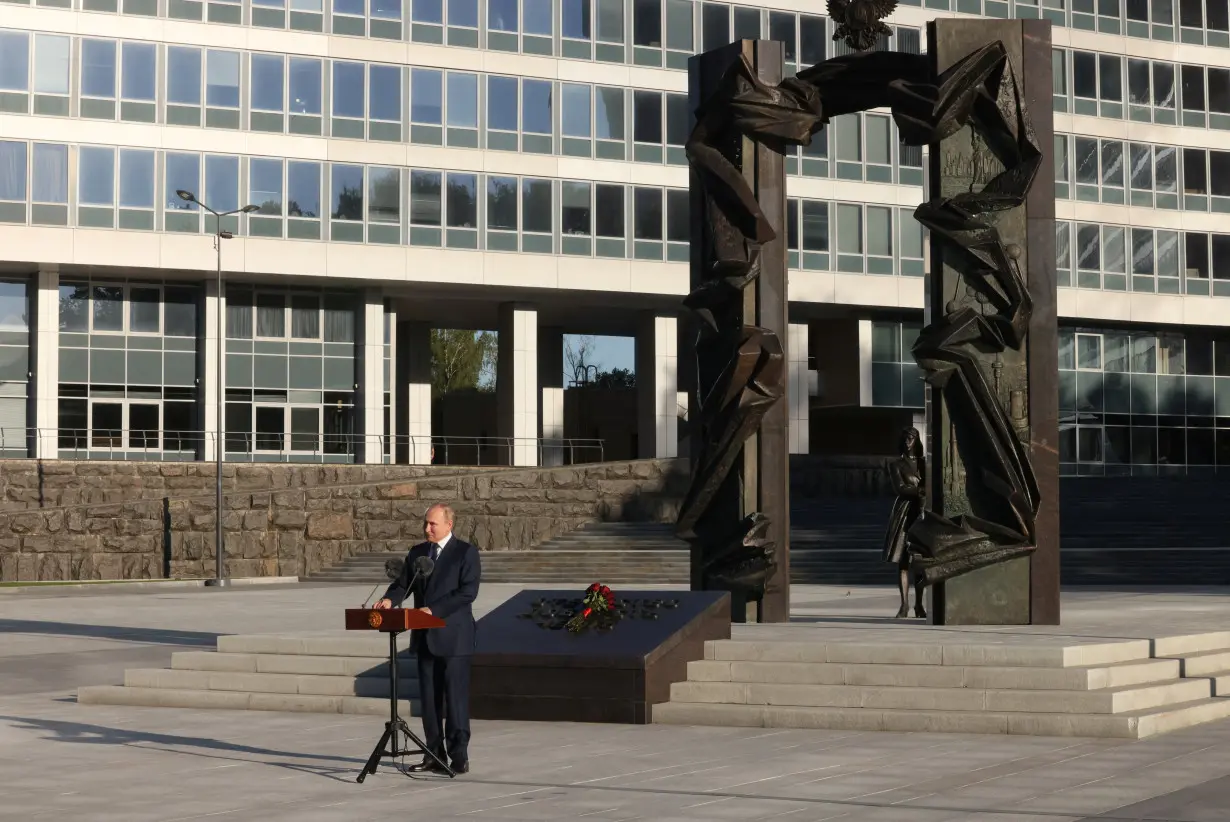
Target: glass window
813	39
1163	85
1141	158
781	29
1088	248
1195	173
51	64
426	96
463	201
267	82
347	189
609	113
1219	173
536	212
265	185
1166	168
815	225
386	9
303	189
144	309
12	171
425	198
183	174
647	23
1085	74
678	227
462	100
98	68
1138	82
647	116
609	210
1110	78
14	61
348	90
304	85
678	119
352	7
502	103
575	19
339	321
14	307
715	25
427	11
305	317
385	90
679	34
849	229
463	13
611	20
140	70
222	79
222	182
74	308
536	106
575	209
538	14
792	224
576	115
384	195
501	203
879	147
502	15
647	213
50	183
1192	78
238	313
1112	163
108	305
1086	160
879	231
1112	249
1142	251
96	176
270	315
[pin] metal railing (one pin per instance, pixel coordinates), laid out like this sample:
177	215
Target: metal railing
189	446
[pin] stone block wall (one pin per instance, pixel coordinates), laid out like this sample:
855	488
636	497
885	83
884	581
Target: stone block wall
148	521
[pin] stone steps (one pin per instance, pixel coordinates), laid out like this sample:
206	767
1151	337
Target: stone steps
1023	685
322	674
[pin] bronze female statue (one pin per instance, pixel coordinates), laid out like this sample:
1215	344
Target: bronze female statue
908	474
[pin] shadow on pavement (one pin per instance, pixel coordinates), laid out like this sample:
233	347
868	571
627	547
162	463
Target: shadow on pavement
63	731
158	636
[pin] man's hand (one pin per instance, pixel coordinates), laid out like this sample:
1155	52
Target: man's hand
426	611
383	604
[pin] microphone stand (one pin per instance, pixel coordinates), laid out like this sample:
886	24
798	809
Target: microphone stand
395	722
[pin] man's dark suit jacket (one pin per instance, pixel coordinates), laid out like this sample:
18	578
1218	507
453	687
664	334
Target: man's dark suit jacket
449	592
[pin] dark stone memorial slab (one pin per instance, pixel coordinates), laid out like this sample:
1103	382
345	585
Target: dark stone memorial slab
528	666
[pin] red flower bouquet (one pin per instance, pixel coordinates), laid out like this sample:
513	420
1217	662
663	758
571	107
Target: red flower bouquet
597	602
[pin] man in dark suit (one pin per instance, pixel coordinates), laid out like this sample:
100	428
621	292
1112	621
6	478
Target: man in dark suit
444	654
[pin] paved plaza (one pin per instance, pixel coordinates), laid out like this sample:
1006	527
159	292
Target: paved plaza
59	759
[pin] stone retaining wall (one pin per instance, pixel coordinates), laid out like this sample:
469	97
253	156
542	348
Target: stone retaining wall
157	520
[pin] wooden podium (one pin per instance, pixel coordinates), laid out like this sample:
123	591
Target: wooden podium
393	621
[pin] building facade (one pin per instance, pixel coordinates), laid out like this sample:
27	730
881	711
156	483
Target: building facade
518	165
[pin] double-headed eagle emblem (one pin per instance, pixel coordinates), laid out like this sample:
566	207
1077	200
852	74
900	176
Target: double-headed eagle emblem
859	22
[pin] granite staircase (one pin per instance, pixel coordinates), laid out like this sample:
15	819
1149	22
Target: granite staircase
326	674
1030	685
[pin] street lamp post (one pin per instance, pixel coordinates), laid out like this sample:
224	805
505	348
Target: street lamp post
219	579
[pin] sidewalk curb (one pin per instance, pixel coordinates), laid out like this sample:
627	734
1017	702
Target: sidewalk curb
136	585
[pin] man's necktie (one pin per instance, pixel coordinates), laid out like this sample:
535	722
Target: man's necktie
435	551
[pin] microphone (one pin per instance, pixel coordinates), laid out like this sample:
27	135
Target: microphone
369	596
423	566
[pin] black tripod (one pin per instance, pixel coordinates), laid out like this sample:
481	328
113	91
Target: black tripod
395	724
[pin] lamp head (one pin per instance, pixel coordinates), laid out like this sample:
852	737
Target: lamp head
248	209
186	196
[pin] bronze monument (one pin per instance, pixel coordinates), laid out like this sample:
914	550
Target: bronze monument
735	514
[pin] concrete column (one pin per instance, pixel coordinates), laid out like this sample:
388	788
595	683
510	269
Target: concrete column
44	406
208	352
657	386
369	404
516	383
413	362
551	401
798	384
